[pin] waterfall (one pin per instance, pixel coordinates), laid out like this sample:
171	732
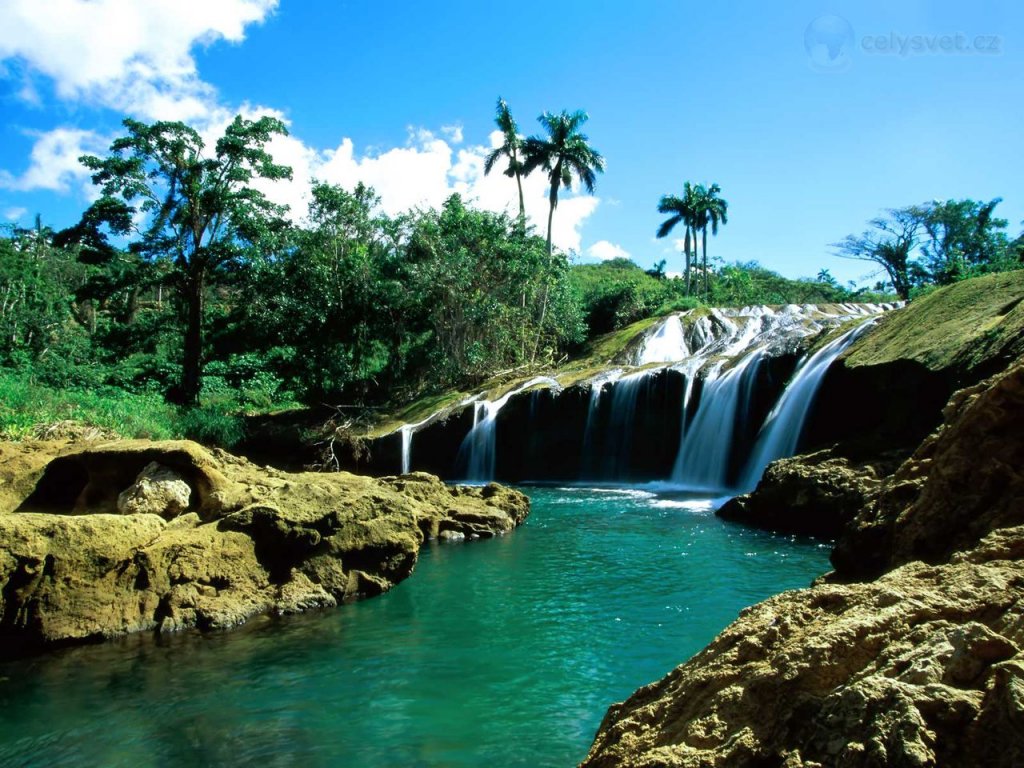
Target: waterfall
590	432
623	436
704	450
478	451
619	442
780	433
407	432
666	345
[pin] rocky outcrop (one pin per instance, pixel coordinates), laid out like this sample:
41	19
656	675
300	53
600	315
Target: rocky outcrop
815	494
85	554
963	481
922	666
893	383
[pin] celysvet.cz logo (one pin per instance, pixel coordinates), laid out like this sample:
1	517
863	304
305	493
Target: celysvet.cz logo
832	45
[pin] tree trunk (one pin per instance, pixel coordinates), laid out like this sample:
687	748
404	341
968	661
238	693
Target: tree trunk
192	366
547	284
522	205
704	250
686	249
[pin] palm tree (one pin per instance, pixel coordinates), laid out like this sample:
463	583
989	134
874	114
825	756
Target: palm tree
563	154
682	210
511	148
709	208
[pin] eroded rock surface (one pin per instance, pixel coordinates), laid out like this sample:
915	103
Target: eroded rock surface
250	540
814	494
964	481
922	667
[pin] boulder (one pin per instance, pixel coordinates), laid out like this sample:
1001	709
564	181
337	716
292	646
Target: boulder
815	494
245	540
156	491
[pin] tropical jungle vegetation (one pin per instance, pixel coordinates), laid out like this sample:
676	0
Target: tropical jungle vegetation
183	298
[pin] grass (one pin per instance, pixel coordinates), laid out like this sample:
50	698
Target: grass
960	326
31	410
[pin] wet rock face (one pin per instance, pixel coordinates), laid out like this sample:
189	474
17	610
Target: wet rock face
814	494
964	481
107	542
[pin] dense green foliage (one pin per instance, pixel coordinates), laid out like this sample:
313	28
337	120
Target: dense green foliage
182	279
200	214
936	243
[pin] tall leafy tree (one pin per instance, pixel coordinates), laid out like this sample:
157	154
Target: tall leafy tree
709	210
961	237
512	148
936	242
193	210
890	244
563	153
682	211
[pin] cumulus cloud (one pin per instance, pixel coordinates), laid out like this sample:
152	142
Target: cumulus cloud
605	250
136	57
53	162
15	214
124	54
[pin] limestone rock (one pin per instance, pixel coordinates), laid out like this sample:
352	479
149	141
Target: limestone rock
812	495
253	541
156	491
965	481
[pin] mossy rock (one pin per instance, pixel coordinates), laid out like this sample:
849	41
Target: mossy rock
970	326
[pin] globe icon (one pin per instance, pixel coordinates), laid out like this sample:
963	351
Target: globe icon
828	41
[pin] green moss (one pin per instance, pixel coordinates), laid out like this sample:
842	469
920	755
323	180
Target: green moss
960	326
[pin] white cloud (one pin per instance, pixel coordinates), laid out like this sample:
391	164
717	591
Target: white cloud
53	163
136	57
424	173
14	214
605	250
453	132
125	54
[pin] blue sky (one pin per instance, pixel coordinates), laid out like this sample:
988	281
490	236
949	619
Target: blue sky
805	147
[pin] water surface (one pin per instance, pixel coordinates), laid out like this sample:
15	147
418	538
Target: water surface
497	653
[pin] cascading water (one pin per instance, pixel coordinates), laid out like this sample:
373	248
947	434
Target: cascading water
703	460
619	438
718	353
407	432
666	345
780	433
478	452
591	449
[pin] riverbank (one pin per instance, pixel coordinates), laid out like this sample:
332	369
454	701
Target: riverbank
532	633
108	539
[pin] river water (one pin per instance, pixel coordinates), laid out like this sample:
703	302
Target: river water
504	652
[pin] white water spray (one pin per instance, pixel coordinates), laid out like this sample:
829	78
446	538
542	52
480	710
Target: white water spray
780	434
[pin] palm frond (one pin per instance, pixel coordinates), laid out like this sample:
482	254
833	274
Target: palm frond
668	225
